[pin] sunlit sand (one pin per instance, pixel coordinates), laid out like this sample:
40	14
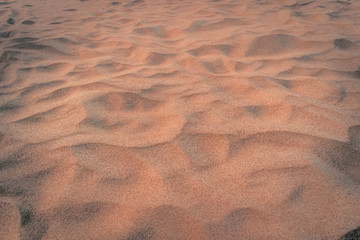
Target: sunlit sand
179	119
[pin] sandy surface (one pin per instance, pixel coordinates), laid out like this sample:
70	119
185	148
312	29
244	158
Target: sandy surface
179	119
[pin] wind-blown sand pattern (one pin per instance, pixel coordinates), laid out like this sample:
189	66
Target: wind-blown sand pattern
164	119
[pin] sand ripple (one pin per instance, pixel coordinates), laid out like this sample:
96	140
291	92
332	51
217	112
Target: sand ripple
179	119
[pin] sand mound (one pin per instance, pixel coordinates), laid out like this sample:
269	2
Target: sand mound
168	222
10	219
272	44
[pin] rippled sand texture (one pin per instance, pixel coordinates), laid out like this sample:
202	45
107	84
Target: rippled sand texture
155	119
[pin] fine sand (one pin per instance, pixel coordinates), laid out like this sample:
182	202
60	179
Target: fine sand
179	119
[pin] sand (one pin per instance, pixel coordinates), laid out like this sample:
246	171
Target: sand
164	119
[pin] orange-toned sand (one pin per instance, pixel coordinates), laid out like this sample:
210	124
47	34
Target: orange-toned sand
179	119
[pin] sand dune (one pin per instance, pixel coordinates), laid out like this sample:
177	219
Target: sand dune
184	119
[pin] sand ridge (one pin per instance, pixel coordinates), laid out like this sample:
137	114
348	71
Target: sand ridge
179	119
